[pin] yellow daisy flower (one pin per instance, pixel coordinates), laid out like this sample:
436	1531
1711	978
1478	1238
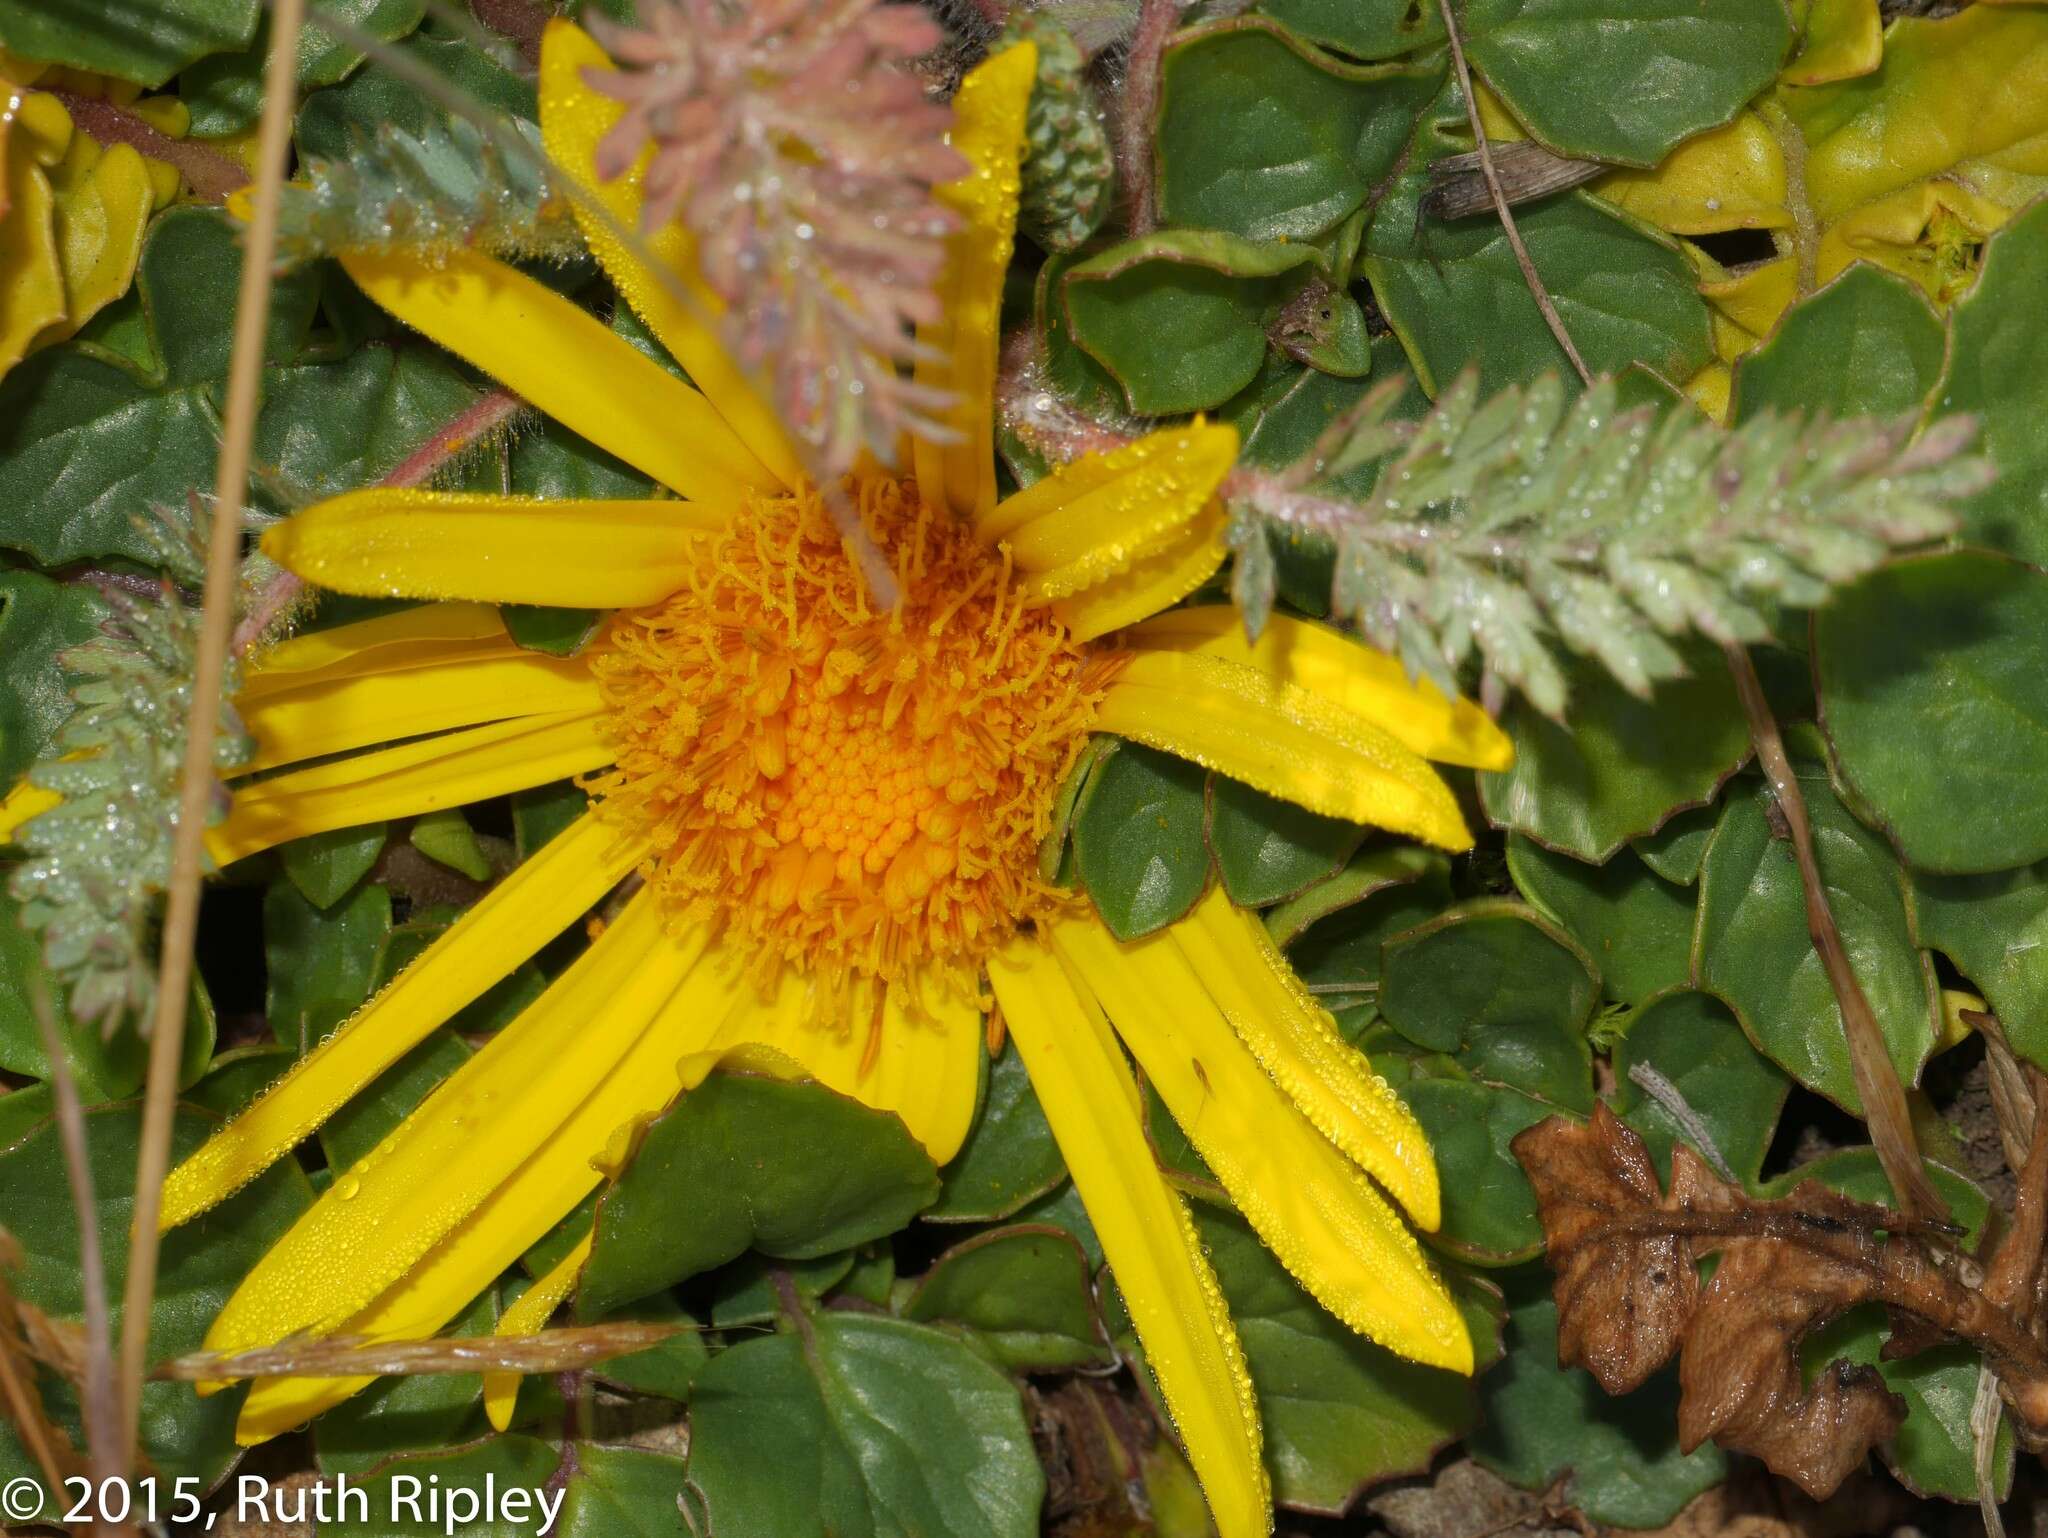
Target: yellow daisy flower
837	809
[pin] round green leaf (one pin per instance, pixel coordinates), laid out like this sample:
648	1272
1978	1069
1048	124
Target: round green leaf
1501	988
1009	1158
1458	299
1675	850
740	1163
1935	702
1337	952
146	41
1752	948
1995	373
39	619
325	865
1635	925
1489	1211
1138	839
1624	80
508	1462
1694	1044
199	1265
853	1424
1268	849
1868	344
1995	929
1545	1423
1623	766
1339	1412
1265	136
1025	1295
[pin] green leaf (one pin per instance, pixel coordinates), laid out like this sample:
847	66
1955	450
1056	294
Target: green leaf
88	445
1545	1423
539	814
237	1077
376	96
557	632
792	1170
1489	1210
1365	29
375	1111
225	92
1868	344
39	619
621	1492
1179	318
750	1291
507	1463
23	1110
1635	925
1268	849
1266	137
553	462
1138	839
198	1266
862	1427
1009	1157
1995	929
146	41
321	963
104	1067
1994	373
1339	1412
1675	850
1856	1172
1024	1294
1459	300
446	838
667	1369
1624	80
407	1414
332	427
1935	703
1697	1046
1501	988
1934	1453
1753	950
1623	766
324	866
1338	955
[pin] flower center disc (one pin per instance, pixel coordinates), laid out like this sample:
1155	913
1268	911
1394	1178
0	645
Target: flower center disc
854	791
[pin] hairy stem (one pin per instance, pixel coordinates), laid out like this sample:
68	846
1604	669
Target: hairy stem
1877	1084
103	1442
181	911
1500	199
211	174
1140	107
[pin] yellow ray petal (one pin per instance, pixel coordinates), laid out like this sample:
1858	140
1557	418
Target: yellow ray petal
385	543
1095	1113
1296	1041
450	770
385	1213
1349	674
1150	584
417	637
514	919
561	1171
529	1315
1091	519
988	129
569	364
321	718
920	1058
1315	1212
1283	740
573	118
22	803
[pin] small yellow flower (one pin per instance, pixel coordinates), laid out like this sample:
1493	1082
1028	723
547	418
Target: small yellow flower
837	808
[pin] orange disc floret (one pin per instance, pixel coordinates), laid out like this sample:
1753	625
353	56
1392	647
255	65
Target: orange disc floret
850	790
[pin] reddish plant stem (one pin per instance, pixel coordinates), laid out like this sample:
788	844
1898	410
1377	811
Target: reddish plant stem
519	21
491	413
1140	107
211	174
1877	1083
